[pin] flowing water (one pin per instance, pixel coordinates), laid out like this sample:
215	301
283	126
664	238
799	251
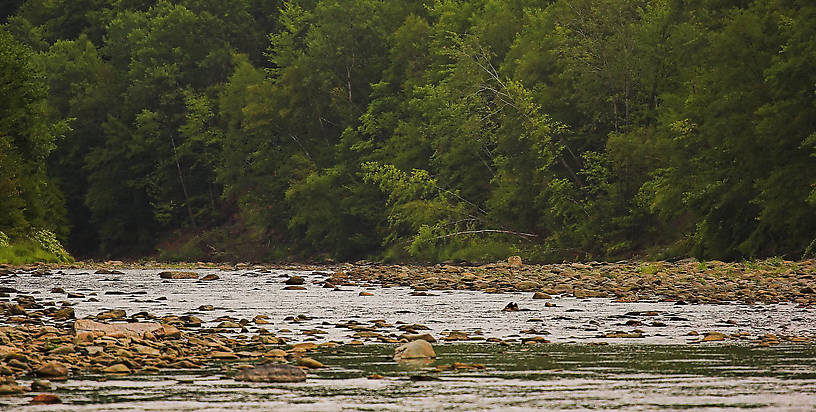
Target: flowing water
667	369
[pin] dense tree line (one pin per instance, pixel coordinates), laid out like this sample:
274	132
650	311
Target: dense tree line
435	130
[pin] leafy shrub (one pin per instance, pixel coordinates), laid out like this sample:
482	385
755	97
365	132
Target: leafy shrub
47	240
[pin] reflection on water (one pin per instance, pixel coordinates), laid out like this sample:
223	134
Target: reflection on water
554	376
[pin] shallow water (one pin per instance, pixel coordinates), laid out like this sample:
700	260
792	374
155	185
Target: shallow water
520	377
659	371
247	294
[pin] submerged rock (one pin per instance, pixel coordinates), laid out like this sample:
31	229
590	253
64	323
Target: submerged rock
272	372
45	399
294	288
310	363
40	385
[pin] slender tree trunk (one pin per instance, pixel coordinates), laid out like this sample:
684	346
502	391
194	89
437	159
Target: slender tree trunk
183	186
348	81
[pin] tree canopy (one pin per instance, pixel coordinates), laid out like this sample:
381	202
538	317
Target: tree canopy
434	130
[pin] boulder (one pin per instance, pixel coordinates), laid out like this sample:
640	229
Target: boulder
11	389
52	370
295	280
456	335
276	353
527	285
169	331
178	275
417	349
511	307
714	337
228	325
514	261
15	309
424	336
304	347
64	314
104	271
146	350
111	314
63	349
117	368
309	363
6	350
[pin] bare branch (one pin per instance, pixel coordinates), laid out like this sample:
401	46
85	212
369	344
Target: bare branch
471	232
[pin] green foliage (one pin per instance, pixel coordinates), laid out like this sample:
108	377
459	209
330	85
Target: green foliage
434	130
39	245
27	136
650	269
48	242
25	252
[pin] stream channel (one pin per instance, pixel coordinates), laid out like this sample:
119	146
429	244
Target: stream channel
668	368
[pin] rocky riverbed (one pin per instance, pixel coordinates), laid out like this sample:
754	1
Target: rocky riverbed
63	324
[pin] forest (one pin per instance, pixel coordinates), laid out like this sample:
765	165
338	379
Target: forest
429	131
